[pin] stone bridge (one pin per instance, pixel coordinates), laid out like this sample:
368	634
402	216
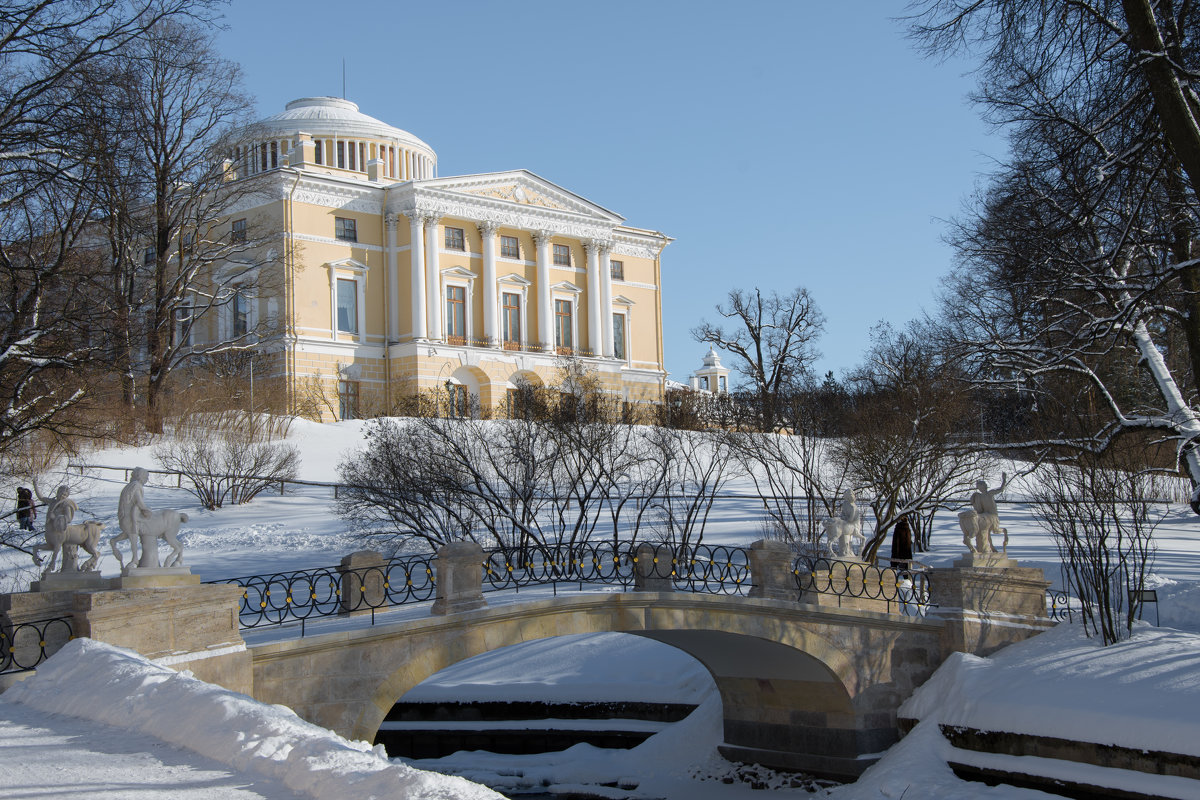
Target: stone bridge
810	685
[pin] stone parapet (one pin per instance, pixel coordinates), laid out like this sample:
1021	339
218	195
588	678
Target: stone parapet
853	584
650	572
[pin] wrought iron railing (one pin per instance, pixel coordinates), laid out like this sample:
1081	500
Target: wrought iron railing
24	645
300	595
1058	605
903	590
706	569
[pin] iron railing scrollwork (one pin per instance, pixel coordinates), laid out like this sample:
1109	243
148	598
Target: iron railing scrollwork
1058	605
704	569
299	595
902	589
25	645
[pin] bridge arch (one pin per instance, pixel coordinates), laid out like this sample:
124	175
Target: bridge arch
799	690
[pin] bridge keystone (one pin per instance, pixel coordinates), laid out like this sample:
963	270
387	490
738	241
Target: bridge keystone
459	578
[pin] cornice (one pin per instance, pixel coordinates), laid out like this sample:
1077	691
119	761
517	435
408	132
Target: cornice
423	200
335	194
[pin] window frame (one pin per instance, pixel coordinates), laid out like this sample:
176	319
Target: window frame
506	341
454	239
559	330
560	251
348	399
623	316
237	231
515	253
616	269
337	314
345	229
456	311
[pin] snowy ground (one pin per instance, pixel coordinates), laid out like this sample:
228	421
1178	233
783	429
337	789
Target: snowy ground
299	530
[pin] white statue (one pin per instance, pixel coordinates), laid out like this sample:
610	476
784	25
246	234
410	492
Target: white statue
68	541
60	510
162	524
141	525
983	519
131	509
845	528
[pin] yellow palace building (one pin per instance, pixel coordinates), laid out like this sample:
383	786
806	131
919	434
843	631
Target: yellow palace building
397	280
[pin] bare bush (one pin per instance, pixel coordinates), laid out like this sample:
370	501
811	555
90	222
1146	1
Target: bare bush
1102	515
229	456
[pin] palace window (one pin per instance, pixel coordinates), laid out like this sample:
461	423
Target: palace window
617	270
237	234
345	229
509	247
348	399
351	147
455	240
241	313
347	305
619	336
274	155
317	151
149	255
562	255
459	400
456	315
563	327
341	155
183	326
510	320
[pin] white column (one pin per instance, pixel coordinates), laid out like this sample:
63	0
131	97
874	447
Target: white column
433	281
606	302
393	281
545	311
416	248
595	318
491	330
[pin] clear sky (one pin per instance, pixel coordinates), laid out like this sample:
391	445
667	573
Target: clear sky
782	143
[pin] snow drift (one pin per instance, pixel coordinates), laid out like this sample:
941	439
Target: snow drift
118	687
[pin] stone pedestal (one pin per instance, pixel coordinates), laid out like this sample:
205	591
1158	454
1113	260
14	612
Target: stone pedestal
459	578
193	627
987	604
363	580
184	627
146	577
651	569
771	571
69	581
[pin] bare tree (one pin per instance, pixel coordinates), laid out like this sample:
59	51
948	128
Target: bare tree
46	170
1102	513
772	338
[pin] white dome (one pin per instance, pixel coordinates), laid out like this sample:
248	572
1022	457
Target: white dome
336	116
711	359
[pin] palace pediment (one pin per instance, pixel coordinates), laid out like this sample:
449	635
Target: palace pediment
522	188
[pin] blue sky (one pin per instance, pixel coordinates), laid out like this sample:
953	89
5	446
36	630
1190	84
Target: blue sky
781	144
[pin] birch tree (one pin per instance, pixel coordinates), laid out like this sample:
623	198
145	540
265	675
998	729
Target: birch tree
1078	278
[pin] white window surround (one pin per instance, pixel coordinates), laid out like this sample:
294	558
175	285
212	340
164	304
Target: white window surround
228	309
514	284
348	269
457	276
624	306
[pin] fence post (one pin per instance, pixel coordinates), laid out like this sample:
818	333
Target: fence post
771	570
459	568
652	569
362	581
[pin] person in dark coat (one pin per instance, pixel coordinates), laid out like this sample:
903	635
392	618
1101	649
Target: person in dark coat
902	549
26	511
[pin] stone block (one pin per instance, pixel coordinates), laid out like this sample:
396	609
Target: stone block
362	582
459	578
771	570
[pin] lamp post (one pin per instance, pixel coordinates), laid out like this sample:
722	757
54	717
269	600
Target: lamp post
449	398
